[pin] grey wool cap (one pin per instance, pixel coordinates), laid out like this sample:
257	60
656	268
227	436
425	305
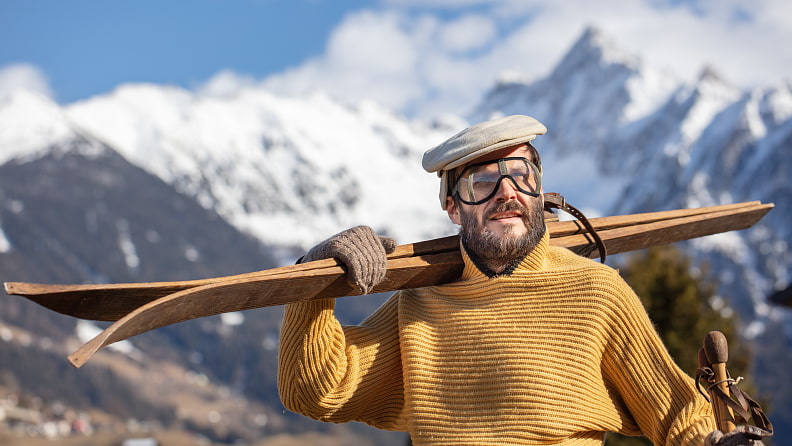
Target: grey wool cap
476	141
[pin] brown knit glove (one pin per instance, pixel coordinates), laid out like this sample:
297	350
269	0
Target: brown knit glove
361	251
738	437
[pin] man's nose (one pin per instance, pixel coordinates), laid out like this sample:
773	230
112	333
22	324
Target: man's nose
506	191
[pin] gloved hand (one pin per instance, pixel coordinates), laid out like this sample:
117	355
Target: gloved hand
742	436
361	251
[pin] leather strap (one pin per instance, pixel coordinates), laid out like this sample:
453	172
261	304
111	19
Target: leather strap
554	200
745	409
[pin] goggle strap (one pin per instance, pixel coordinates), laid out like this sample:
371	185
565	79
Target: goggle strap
502	167
553	200
470	186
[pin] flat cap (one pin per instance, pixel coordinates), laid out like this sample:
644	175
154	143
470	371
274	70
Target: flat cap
481	139
476	141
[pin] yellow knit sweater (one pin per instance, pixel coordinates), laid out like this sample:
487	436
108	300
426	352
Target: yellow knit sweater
558	352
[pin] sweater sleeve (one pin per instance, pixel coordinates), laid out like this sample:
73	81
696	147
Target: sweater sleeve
339	374
658	395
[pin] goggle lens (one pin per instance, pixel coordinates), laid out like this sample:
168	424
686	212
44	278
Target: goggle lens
479	182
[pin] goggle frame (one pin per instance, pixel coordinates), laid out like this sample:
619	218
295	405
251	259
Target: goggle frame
501	169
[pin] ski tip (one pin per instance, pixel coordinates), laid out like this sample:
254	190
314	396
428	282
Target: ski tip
14	288
77	359
86	352
17	288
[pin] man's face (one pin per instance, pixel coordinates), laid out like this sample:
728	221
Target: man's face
507	226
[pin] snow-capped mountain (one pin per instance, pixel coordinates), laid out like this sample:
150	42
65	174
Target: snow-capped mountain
288	170
623	137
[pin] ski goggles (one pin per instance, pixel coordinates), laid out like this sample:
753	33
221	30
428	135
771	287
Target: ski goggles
479	182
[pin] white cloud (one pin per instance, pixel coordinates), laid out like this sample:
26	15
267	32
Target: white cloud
225	83
371	41
437	56
370	55
407	63
23	77
471	32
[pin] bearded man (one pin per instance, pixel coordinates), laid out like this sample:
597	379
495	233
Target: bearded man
531	345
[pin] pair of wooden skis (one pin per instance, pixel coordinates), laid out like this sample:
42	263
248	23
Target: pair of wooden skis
137	308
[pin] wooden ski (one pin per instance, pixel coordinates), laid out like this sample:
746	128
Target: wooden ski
110	302
138	308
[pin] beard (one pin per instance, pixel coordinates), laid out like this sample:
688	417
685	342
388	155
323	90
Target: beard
497	254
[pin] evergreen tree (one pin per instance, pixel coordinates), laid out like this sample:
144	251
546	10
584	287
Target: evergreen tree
680	299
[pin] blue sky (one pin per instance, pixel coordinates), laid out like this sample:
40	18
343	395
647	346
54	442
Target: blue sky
415	56
89	46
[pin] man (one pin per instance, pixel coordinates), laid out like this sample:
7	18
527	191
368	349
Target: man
531	345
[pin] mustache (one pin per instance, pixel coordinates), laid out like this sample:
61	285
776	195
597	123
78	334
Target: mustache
509	206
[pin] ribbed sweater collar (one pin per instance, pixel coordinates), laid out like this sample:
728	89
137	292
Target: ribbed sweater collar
534	261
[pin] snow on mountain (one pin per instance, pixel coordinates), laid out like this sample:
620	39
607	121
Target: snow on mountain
30	122
624	138
288	170
32	125
667	139
742	154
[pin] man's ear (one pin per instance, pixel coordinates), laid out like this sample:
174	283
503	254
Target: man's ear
453	211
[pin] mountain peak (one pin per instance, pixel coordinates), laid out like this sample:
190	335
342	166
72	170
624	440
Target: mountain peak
594	48
592	34
30	122
710	74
